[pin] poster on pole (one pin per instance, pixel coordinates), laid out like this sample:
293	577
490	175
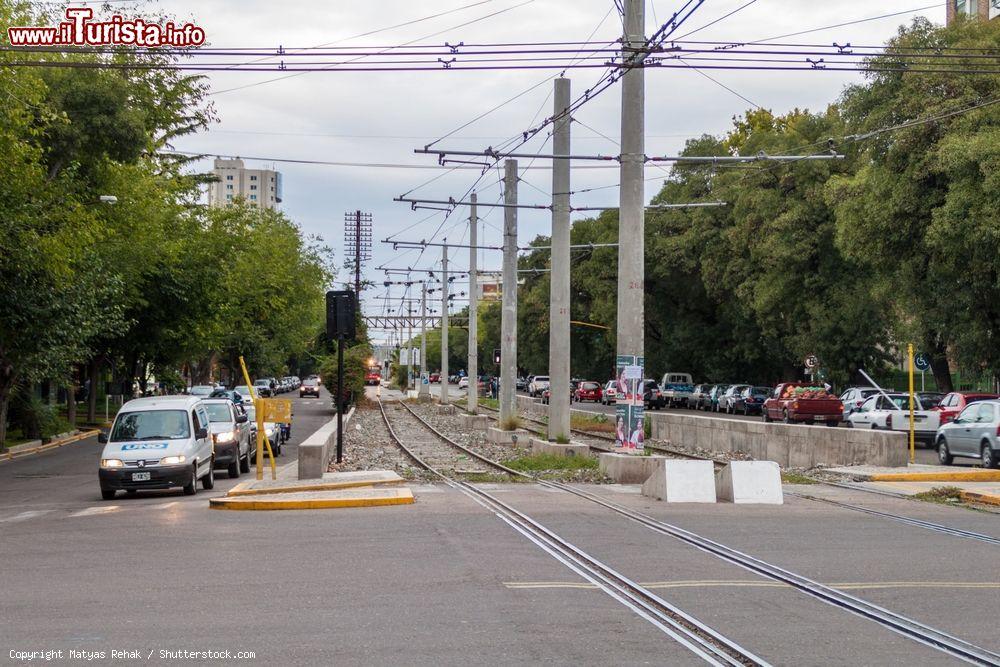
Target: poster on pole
629	418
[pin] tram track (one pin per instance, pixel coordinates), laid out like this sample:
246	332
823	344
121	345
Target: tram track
697	637
902	625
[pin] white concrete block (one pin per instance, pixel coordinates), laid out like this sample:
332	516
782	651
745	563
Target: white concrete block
500	437
678	481
750	482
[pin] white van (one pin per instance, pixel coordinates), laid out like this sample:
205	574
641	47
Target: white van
158	442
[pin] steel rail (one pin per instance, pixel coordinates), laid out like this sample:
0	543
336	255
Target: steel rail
694	635
898	623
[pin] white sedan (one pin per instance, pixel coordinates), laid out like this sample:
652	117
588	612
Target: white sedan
463	383
892	413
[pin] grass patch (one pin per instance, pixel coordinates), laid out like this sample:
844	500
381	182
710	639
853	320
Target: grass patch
490	403
796	478
510	423
489	478
593	423
941	494
547	462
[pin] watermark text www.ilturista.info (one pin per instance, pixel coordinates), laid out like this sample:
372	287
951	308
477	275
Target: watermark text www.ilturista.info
79	29
173	655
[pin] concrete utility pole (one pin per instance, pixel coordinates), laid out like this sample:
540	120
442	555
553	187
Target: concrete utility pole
631	218
409	343
559	299
508	318
425	387
444	325
473	364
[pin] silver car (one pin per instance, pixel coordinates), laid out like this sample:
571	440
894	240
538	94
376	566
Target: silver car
973	434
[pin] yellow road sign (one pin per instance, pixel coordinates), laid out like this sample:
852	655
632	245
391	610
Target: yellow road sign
276	410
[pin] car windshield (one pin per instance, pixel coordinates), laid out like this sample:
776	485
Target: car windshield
310	383
541	378
590	386
218	412
261	383
201	390
930	400
243	390
761	391
151	425
251	413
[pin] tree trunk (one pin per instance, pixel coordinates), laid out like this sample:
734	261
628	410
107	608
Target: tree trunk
6	386
940	368
94	373
71	395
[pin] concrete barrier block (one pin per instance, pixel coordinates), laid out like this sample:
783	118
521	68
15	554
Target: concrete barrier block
474	421
681	482
447	409
628	468
775	449
801	451
539	446
500	437
748	482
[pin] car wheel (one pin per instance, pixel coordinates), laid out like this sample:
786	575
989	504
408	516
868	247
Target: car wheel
766	417
944	454
208	481
191	487
787	418
108	494
234	467
245	462
989	456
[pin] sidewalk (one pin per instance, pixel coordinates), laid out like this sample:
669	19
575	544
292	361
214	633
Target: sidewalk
976	485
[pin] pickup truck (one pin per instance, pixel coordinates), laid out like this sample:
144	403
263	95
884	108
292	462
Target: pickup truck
800	402
676	389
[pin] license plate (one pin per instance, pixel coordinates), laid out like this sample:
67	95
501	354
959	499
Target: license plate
140	477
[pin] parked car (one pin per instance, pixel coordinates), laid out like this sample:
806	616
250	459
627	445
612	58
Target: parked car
729	400
309	387
546	394
794	402
853	398
244	392
589	391
676	388
714	396
230	435
463	383
699	396
271	429
521	383
231	394
202	390
652	397
751	400
434	378
892	413
538	384
975	433
159	442
955	402
263	388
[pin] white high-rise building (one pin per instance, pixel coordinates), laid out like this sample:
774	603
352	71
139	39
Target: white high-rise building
257	186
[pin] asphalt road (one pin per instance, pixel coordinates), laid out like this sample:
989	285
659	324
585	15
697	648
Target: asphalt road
445	582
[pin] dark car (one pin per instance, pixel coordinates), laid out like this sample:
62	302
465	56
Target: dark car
263	388
751	400
651	396
309	387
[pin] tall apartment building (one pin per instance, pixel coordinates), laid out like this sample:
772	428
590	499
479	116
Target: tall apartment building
257	186
984	9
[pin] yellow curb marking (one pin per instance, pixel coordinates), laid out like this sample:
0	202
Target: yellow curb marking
55	444
982	498
401	497
247	490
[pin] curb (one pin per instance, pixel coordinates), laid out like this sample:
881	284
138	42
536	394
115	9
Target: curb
55	444
403	497
981	498
966	476
241	490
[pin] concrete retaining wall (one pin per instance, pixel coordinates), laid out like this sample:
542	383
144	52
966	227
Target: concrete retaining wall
790	445
315	452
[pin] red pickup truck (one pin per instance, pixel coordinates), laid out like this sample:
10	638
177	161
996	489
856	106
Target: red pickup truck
801	402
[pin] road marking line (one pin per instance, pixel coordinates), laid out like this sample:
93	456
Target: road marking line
93	511
762	584
24	516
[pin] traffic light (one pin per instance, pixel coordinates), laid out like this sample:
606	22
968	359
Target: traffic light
496	355
340	314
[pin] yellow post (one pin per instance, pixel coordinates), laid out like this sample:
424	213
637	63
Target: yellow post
913	452
262	440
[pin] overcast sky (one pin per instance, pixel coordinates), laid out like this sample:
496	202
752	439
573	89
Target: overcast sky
365	117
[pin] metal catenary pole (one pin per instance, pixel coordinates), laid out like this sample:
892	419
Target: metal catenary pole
559	292
340	398
631	217
425	387
409	345
444	325
473	363
508	318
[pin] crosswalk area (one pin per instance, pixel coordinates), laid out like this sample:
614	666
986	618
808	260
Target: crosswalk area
107	510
